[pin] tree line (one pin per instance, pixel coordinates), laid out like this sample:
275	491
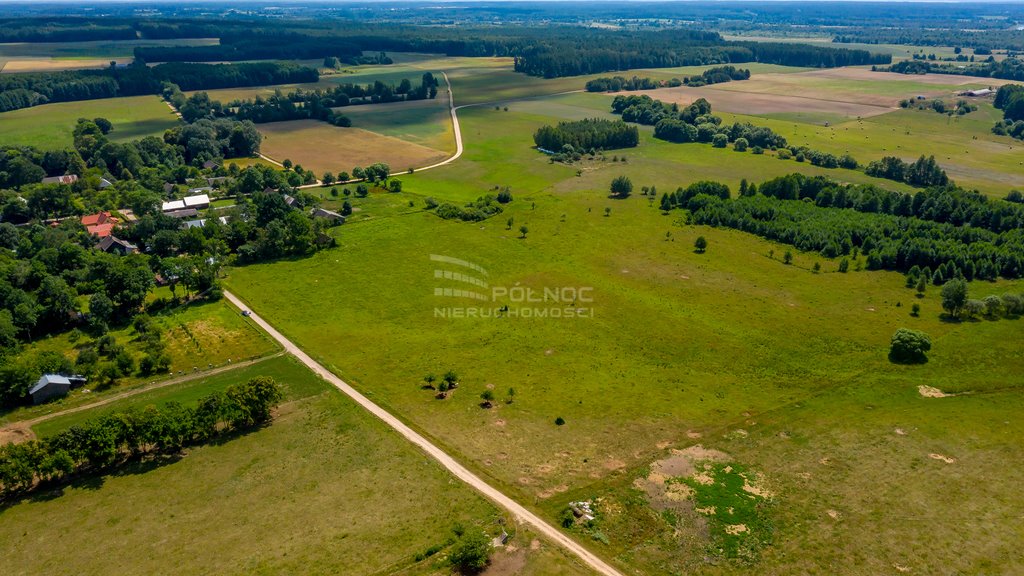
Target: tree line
32	89
1010	68
820	223
921	172
114	439
1010	99
714	75
587	134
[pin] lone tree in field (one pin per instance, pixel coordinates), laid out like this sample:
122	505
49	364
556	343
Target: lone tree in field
523	230
451	378
622	186
471	552
488	397
909	347
701	245
510	222
787	258
954	297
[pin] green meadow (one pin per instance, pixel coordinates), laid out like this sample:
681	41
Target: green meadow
325	488
50	126
731	349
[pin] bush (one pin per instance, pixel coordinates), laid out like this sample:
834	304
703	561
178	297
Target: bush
909	347
784	154
720	141
471	552
740	145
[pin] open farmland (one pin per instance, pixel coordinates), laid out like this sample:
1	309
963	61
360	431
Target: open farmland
723	363
321	147
51	56
50	126
324	488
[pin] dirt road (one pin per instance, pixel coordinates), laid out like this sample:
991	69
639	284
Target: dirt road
456	469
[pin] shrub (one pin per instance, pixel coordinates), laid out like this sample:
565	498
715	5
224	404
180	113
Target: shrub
909	347
471	552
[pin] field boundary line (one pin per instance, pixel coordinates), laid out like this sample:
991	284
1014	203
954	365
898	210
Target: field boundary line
432	450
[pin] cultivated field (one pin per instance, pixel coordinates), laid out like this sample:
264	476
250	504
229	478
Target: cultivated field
321	147
325	488
50	126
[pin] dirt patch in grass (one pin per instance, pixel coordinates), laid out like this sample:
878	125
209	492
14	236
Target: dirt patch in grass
932	392
15	434
942	458
321	147
506	563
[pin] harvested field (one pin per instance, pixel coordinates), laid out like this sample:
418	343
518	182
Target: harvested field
742	102
849	73
321	147
54	64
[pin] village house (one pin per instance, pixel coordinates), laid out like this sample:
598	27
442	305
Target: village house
100	224
115	245
65	179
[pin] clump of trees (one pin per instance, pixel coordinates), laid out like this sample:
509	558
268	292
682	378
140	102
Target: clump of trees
714	75
922	172
1010	99
114	439
591	133
481	209
909	347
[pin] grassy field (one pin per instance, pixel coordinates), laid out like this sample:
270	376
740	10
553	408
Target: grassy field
326	488
321	147
50	126
682	349
50	56
423	122
199	336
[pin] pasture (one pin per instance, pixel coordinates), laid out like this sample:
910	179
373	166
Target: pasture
50	126
322	147
727	349
325	488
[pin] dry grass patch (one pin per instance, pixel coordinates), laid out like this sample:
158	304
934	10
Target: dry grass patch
322	147
743	102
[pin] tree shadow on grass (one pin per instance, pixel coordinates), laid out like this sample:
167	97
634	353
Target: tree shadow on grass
95	479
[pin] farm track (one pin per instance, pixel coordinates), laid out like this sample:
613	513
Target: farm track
432	450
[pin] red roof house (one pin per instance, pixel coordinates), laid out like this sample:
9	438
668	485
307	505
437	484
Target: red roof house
100	224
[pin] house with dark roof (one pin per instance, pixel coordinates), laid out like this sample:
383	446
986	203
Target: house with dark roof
183	213
334	217
115	245
209	164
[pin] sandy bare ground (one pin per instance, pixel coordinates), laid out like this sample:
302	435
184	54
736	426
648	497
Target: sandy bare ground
743	102
432	450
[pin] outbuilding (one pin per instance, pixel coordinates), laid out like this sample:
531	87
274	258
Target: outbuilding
48	387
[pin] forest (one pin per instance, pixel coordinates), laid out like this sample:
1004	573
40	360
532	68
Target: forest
1010	99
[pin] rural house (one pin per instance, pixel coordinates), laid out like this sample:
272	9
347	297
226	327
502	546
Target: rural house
65	179
115	245
100	224
334	217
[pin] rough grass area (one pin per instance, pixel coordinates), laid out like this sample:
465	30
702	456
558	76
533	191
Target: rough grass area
737	513
321	147
198	337
50	126
325	488
679	343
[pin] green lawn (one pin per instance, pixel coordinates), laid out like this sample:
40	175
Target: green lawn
679	343
326	488
50	126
